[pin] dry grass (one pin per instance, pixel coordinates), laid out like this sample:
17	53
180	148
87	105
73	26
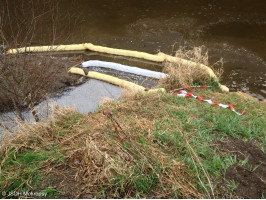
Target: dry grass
102	151
182	76
138	146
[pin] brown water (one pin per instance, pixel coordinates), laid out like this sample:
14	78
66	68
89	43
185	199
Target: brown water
232	29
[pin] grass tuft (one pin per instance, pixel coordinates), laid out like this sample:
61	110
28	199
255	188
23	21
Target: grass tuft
183	75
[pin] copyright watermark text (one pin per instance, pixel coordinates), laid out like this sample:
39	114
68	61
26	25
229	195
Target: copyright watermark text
23	194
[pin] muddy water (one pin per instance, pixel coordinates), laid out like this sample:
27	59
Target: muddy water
231	29
84	98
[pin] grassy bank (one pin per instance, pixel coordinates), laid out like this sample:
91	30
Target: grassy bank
142	146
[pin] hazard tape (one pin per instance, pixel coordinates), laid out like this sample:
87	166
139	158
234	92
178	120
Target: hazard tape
183	93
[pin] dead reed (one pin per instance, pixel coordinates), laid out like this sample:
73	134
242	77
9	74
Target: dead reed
182	76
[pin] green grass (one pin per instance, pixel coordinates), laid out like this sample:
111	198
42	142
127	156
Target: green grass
142	182
21	170
160	117
233	186
51	193
209	124
68	120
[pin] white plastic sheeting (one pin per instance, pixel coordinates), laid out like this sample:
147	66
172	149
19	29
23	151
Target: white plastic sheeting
124	68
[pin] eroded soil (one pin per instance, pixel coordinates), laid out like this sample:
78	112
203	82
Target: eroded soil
250	177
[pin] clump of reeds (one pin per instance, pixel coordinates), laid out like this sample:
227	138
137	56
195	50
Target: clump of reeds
187	75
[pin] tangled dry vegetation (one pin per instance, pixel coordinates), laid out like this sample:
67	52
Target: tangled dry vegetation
144	146
182	76
27	79
97	155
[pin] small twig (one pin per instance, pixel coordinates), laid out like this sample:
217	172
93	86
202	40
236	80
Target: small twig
33	111
2	124
198	160
115	123
76	64
198	174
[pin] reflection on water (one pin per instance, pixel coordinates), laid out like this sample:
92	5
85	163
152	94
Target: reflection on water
234	30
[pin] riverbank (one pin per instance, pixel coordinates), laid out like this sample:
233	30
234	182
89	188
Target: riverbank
37	75
142	146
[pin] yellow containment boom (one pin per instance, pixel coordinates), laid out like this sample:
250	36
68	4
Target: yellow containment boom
71	47
112	80
123	52
160	57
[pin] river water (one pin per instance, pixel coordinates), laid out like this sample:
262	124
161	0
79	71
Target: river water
234	30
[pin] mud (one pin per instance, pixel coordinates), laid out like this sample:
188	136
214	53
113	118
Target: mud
251	177
62	178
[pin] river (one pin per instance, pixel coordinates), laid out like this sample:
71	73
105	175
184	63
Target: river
234	30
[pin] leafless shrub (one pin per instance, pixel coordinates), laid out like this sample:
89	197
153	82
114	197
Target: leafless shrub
25	79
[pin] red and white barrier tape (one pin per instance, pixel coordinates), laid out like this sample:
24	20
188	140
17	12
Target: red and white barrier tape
183	93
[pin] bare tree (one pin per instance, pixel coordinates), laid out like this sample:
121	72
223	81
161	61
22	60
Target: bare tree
26	78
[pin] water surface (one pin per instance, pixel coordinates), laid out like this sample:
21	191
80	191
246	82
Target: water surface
232	29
